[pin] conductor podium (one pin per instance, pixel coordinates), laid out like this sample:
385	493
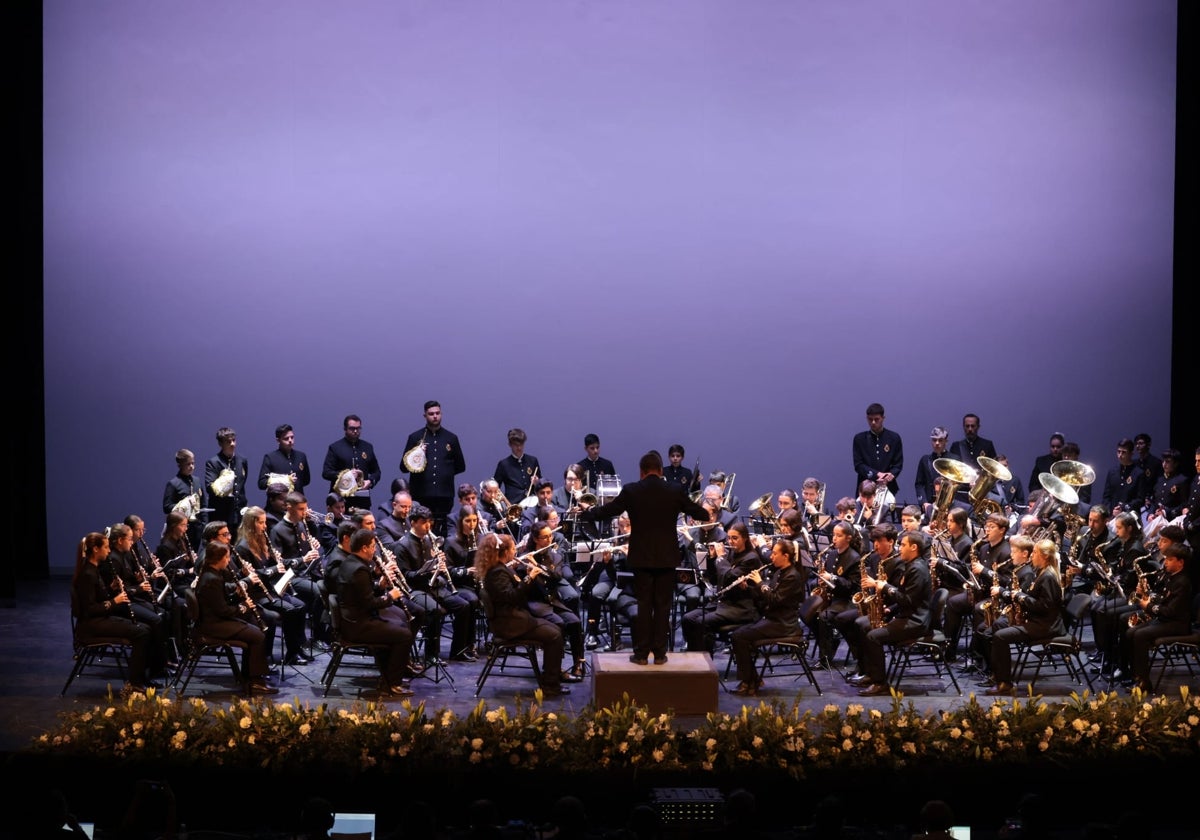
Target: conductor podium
687	683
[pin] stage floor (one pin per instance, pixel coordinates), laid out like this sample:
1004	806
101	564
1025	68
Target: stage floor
35	659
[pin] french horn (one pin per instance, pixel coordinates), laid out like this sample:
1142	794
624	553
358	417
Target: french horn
188	506
348	482
281	480
223	484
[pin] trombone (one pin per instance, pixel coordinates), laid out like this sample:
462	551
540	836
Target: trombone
728	497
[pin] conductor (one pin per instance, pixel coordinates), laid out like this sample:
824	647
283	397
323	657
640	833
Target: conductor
653	506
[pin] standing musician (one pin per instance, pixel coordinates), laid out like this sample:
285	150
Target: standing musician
225	479
518	472
927	476
301	552
878	452
971	446
1037	615
1164	611
373	618
854	622
677	474
997	618
351	452
219	619
735	602
654	507
600	586
778	601
908	595
1110	606
184	486
99	613
1125	486
837	580
420	561
287	460
594	465
123	573
506	597
433	483
1170	493
261	568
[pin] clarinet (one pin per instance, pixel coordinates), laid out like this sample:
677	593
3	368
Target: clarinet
121	588
440	567
393	583
249	572
158	572
389	560
248	602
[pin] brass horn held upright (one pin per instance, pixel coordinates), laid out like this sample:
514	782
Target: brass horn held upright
954	474
990	471
761	507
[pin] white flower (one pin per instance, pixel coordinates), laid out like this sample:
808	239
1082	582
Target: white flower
109	712
956	733
623	746
305	728
245	722
876	714
847	731
854	709
1079	724
658	755
137	726
710	743
830	708
1043	746
475	758
492	716
757	742
476	743
179	740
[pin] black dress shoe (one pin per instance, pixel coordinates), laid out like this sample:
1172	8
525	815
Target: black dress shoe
569	677
859	679
416	668
555	691
591	642
660	660
638	660
875	690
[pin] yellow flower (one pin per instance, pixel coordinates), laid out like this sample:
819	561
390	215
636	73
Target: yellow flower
854	709
109	712
1043	746
658	755
305	729
876	714
476	743
847	745
245	723
757	742
956	733
847	731
1079	724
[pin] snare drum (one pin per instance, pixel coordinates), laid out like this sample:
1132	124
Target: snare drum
607	487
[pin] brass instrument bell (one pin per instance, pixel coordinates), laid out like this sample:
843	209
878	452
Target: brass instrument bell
1074	473
762	507
991	471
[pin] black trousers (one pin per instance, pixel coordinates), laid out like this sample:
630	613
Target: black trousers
654	589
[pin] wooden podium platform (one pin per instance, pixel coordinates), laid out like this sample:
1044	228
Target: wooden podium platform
687	683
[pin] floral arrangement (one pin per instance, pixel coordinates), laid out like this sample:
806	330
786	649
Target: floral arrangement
626	738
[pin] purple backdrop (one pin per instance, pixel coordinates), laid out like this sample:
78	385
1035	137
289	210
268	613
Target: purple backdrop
730	225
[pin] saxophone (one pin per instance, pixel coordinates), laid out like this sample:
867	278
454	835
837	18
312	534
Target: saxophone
1013	610
1141	591
875	605
971	561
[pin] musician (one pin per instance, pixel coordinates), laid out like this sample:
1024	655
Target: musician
507	599
1167	611
1125	486
301	552
999	610
972	446
677	474
554	596
883	545
268	620
494	505
337	555
1110	605
714	497
1170	493
220	619
518	472
434	485
542	493
817	518
878	452
179	561
869	510
1070	452
422	610
1043	463
352	453
1037	615
593	465
276	505
735	604
261	571
172	606
227	505
839	577
989	559
460	548
654	508
374	618
566	497
182	486
468	496
327	527
395	525
99	613
951	567
418	559
1013	498
1144	458
927	476
122	573
600	586
699	544
718	479
777	602
286	460
1092	553
907	595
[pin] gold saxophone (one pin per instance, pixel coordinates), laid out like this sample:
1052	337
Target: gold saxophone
872	605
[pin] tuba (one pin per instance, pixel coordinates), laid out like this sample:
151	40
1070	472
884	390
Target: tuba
991	471
348	482
953	473
1074	474
223	484
761	507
